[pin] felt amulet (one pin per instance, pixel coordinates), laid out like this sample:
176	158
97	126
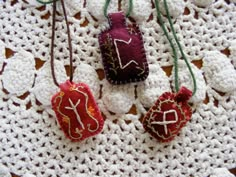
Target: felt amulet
168	115
171	110
74	105
122	50
77	111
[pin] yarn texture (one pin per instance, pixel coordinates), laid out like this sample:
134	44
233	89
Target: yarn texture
32	143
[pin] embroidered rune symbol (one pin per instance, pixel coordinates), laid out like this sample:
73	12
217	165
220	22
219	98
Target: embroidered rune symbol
165	122
73	107
118	53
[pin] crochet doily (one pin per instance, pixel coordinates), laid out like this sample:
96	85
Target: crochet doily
32	143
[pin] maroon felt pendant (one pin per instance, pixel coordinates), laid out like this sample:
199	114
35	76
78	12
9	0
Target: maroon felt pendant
169	114
171	111
122	50
76	111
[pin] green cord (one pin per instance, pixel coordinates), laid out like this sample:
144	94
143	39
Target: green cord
173	48
108	2
106	7
171	44
45	1
130	8
180	48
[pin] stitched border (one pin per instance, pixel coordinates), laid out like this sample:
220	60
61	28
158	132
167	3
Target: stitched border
157	107
144	57
59	114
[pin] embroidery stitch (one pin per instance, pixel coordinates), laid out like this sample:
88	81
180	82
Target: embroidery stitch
118	53
110	56
167	98
142	70
158	110
89	125
73	107
67	119
132	30
165	122
122	51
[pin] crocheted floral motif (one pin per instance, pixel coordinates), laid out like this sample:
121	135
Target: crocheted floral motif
219	72
154	86
176	7
18	75
87	74
44	87
203	3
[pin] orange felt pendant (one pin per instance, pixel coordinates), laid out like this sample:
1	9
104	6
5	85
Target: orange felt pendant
77	111
75	107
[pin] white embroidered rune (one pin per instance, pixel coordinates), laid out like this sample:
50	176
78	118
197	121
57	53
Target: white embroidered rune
118	53
165	122
73	107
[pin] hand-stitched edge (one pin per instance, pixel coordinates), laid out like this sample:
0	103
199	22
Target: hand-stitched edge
145	62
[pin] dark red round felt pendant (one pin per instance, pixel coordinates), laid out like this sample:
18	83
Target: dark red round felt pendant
169	114
77	111
122	50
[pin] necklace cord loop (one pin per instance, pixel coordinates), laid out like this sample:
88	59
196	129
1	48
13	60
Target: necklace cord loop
108	2
176	68
53	42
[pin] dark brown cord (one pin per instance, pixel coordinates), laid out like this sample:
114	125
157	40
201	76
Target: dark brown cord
53	41
69	40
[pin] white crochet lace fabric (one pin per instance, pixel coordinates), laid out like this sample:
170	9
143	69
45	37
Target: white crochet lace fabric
31	142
